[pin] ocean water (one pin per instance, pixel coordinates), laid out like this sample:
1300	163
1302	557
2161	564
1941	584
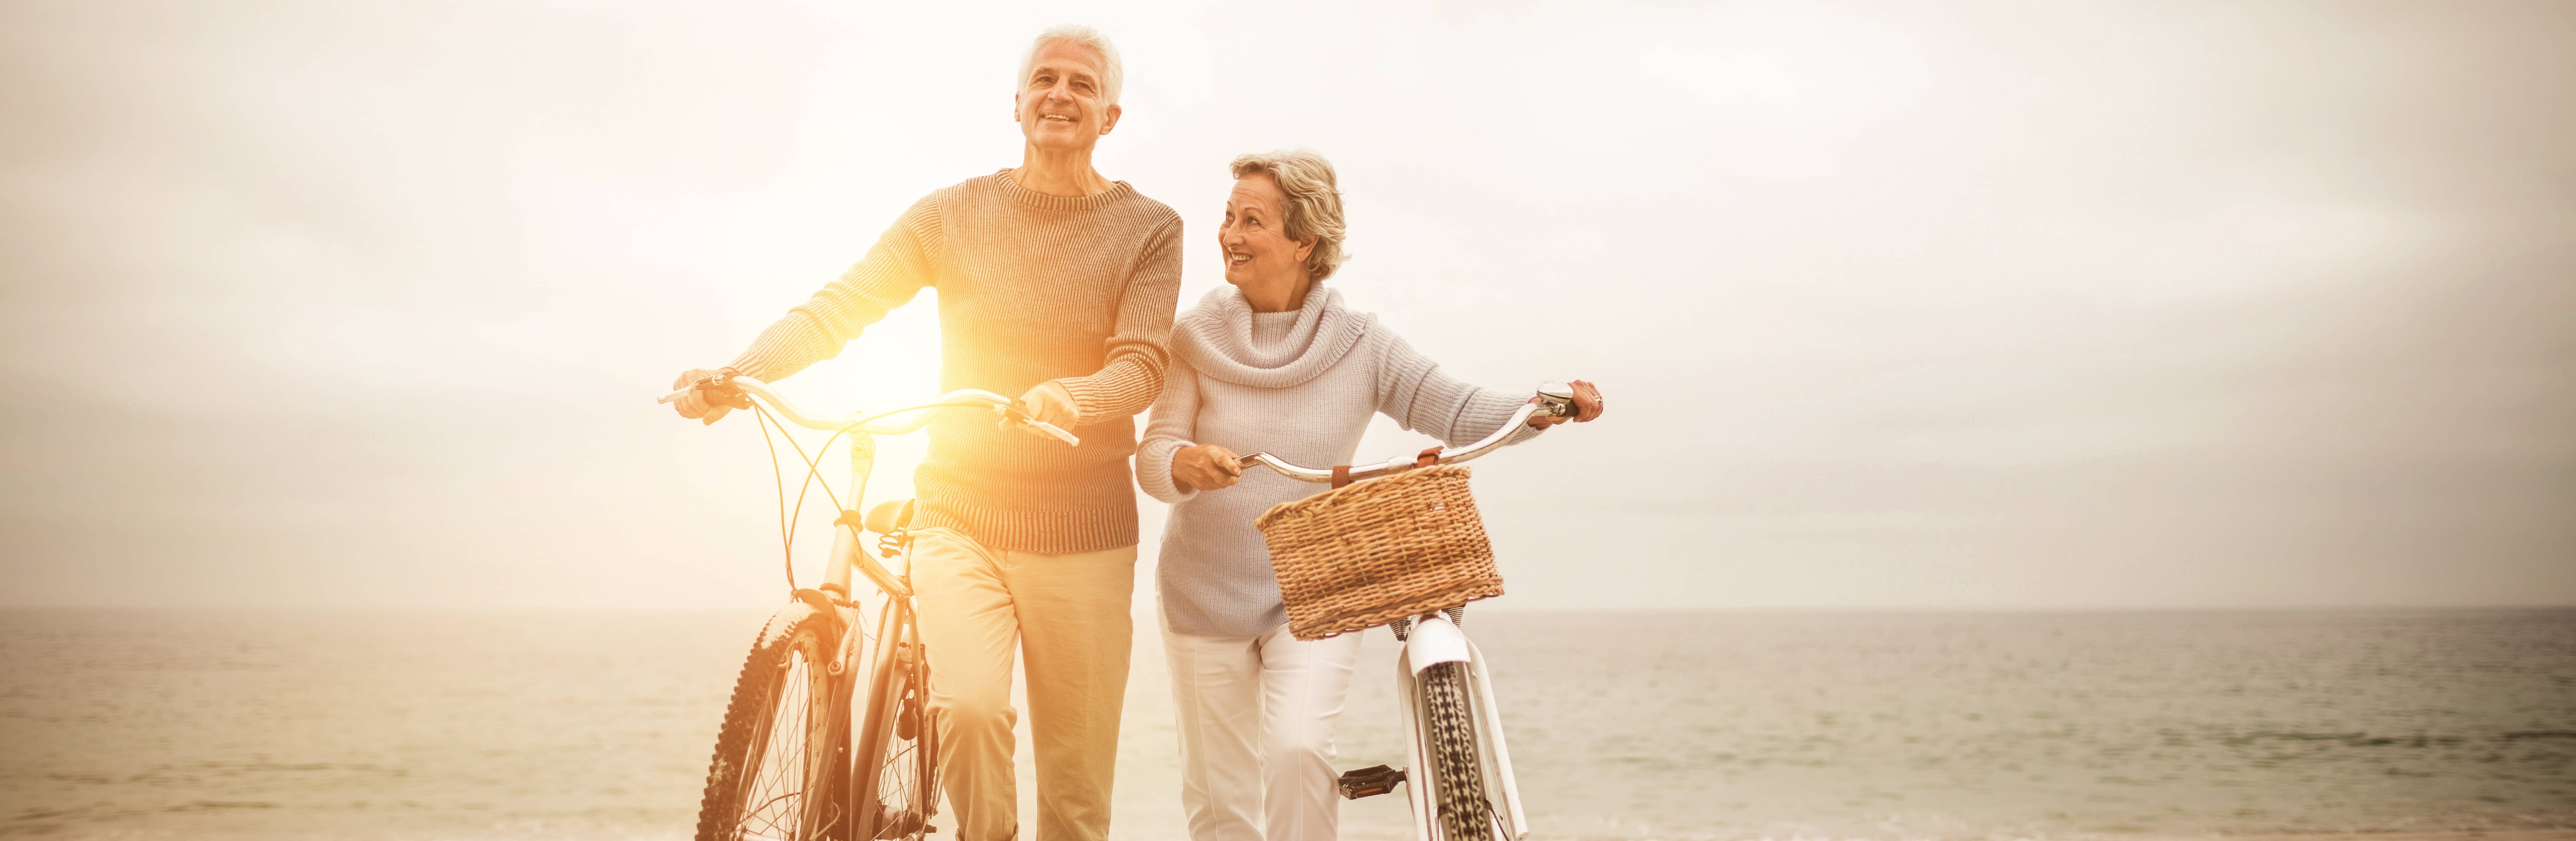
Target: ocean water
1670	725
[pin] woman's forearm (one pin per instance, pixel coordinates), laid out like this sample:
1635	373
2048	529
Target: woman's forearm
1154	469
1422	398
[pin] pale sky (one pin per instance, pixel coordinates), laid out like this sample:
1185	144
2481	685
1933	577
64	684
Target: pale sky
1899	305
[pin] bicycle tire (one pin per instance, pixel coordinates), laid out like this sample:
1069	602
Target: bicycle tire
1466	814
762	781
895	791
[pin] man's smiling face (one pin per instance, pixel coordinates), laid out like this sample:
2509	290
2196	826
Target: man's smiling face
1059	105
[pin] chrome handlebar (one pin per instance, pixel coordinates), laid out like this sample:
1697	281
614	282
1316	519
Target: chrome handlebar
1554	399
968	398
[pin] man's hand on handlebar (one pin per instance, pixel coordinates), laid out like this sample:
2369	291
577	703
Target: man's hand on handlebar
707	405
1205	467
1049	402
1587	406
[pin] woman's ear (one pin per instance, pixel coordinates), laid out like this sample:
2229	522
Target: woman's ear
1307	246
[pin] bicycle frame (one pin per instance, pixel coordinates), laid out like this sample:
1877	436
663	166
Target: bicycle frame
897	644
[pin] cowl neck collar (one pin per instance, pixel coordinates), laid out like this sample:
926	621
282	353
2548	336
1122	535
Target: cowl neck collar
1216	338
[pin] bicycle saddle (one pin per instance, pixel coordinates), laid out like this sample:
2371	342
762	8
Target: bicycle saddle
889	516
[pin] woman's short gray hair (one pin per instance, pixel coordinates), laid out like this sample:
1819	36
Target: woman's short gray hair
1113	76
1314	202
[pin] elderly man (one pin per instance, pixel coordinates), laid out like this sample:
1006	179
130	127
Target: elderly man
1059	282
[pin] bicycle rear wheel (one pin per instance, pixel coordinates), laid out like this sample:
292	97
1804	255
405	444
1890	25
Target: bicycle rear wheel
773	776
895	789
1466	814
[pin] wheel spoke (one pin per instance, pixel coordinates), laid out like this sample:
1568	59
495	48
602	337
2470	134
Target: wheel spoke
895	769
774	806
769	778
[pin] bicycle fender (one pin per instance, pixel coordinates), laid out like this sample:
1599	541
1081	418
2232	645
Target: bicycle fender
1433	641
821	602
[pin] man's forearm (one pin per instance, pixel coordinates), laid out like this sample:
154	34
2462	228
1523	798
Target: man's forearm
796	341
1124	387
895	269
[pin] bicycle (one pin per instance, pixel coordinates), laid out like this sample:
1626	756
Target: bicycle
789	763
1445	695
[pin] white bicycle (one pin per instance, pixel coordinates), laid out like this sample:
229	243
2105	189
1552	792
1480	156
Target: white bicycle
1454	730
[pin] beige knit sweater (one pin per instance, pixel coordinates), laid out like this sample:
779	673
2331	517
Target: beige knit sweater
1032	288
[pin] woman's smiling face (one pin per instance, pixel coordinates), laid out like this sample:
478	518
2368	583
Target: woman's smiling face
1260	259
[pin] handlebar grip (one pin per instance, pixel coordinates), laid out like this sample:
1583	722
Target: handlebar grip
719	387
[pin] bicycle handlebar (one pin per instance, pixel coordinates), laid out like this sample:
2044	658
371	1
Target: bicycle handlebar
968	398
1554	399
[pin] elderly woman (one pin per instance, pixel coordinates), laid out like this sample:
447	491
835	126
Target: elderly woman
1274	363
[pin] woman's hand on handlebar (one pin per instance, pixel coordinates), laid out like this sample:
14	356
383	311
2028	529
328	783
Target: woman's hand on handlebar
705	405
1205	467
1587	406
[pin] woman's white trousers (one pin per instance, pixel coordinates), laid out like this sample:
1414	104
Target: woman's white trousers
1256	727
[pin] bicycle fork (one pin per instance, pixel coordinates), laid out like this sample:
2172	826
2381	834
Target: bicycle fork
1432	639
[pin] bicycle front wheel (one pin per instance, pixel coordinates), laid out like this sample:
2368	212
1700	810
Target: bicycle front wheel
774	772
1459	774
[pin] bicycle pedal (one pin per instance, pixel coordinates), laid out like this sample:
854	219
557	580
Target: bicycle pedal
1369	782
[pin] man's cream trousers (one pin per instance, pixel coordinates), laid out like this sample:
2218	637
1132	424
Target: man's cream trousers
1256	726
979	606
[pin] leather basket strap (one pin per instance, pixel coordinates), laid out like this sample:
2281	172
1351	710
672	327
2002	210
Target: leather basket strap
1341	475
1428	457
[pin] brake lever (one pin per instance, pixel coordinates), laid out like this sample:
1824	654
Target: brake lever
1053	431
1013	414
1559	399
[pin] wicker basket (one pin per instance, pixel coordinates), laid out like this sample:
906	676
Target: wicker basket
1361	556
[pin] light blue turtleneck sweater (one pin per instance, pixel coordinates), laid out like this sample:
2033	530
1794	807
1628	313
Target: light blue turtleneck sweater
1301	386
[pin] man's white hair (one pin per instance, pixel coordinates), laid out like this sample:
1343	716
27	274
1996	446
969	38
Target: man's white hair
1112	75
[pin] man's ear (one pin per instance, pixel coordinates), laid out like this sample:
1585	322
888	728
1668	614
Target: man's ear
1109	119
1015	108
